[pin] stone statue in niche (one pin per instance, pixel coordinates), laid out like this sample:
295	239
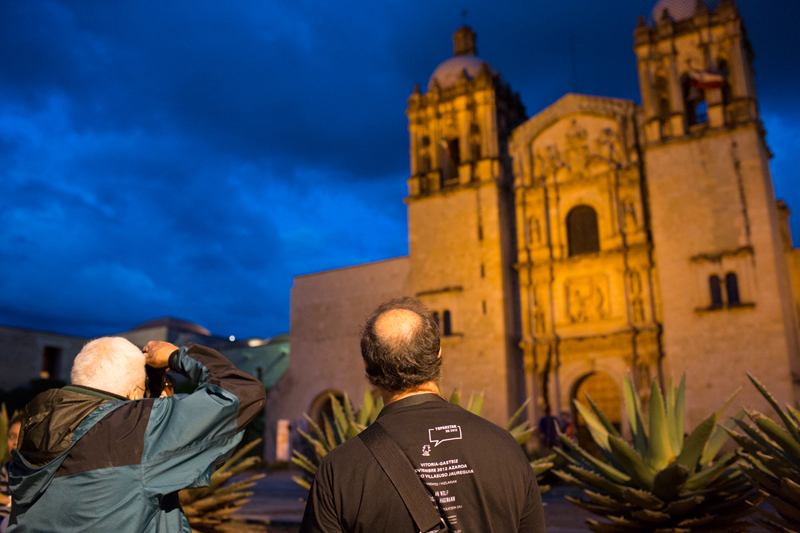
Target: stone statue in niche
540	326
629	215
635	296
534	231
609	147
577	150
587	299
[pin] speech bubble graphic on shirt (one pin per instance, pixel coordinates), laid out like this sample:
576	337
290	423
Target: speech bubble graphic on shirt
442	434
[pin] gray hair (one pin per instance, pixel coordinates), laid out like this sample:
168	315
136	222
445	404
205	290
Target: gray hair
110	364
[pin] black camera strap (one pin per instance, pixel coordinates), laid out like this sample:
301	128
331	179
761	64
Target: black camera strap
401	473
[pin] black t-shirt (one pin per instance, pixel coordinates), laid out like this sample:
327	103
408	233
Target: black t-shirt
478	474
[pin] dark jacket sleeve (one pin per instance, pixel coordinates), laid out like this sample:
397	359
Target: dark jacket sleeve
188	433
214	369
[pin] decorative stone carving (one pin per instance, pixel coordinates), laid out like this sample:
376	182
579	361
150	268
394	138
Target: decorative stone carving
577	150
629	219
635	296
587	298
609	147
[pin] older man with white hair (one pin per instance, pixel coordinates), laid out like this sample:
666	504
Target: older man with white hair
99	456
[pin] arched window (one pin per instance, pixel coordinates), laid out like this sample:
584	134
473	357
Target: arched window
582	231
694	100
715	287
447	325
732	288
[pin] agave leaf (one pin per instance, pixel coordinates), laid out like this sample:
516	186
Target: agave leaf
761	477
635	417
352	430
348	409
609	427
696	443
302	482
660	451
790	445
675	439
633	464
596	480
542	465
680	411
631	404
706	476
318	444
596	427
788	510
367	406
469	402
516	415
786	419
477	406
329	435
757	436
523	436
668	482
455	398
377	410
609	471
340	422
652	517
611	504
718	438
681	507
318	431
794	413
304	462
642	498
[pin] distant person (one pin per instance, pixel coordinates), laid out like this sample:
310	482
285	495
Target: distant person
475	471
5	498
567	426
548	433
96	456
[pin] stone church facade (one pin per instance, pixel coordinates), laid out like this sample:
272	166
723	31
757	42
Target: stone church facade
594	240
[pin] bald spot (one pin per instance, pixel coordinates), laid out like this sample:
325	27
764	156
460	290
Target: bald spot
397	326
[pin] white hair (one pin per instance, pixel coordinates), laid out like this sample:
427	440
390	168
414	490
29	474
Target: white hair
111	364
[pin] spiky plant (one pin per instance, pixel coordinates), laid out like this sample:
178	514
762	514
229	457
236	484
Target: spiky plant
210	509
771	460
662	483
347	424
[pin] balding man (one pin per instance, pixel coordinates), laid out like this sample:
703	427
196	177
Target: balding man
475	472
97	456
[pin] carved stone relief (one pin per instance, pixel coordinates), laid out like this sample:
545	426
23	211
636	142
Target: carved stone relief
635	296
587	298
629	219
578	156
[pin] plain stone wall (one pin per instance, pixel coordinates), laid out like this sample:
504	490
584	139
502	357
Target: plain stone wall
327	312
22	350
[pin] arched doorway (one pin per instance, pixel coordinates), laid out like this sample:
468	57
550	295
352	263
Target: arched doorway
604	392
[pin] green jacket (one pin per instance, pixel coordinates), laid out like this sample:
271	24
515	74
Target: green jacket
89	461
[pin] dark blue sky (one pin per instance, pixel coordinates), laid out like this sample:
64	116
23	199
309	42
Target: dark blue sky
189	158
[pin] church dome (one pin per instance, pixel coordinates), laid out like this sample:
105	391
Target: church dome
679	9
448	72
464	59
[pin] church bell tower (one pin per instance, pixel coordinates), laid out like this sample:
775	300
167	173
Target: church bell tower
461	223
721	261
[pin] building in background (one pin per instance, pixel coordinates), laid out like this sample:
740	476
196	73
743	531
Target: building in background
28	355
594	240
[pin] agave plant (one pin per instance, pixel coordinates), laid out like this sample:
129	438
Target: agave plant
663	483
210	509
347	424
771	460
